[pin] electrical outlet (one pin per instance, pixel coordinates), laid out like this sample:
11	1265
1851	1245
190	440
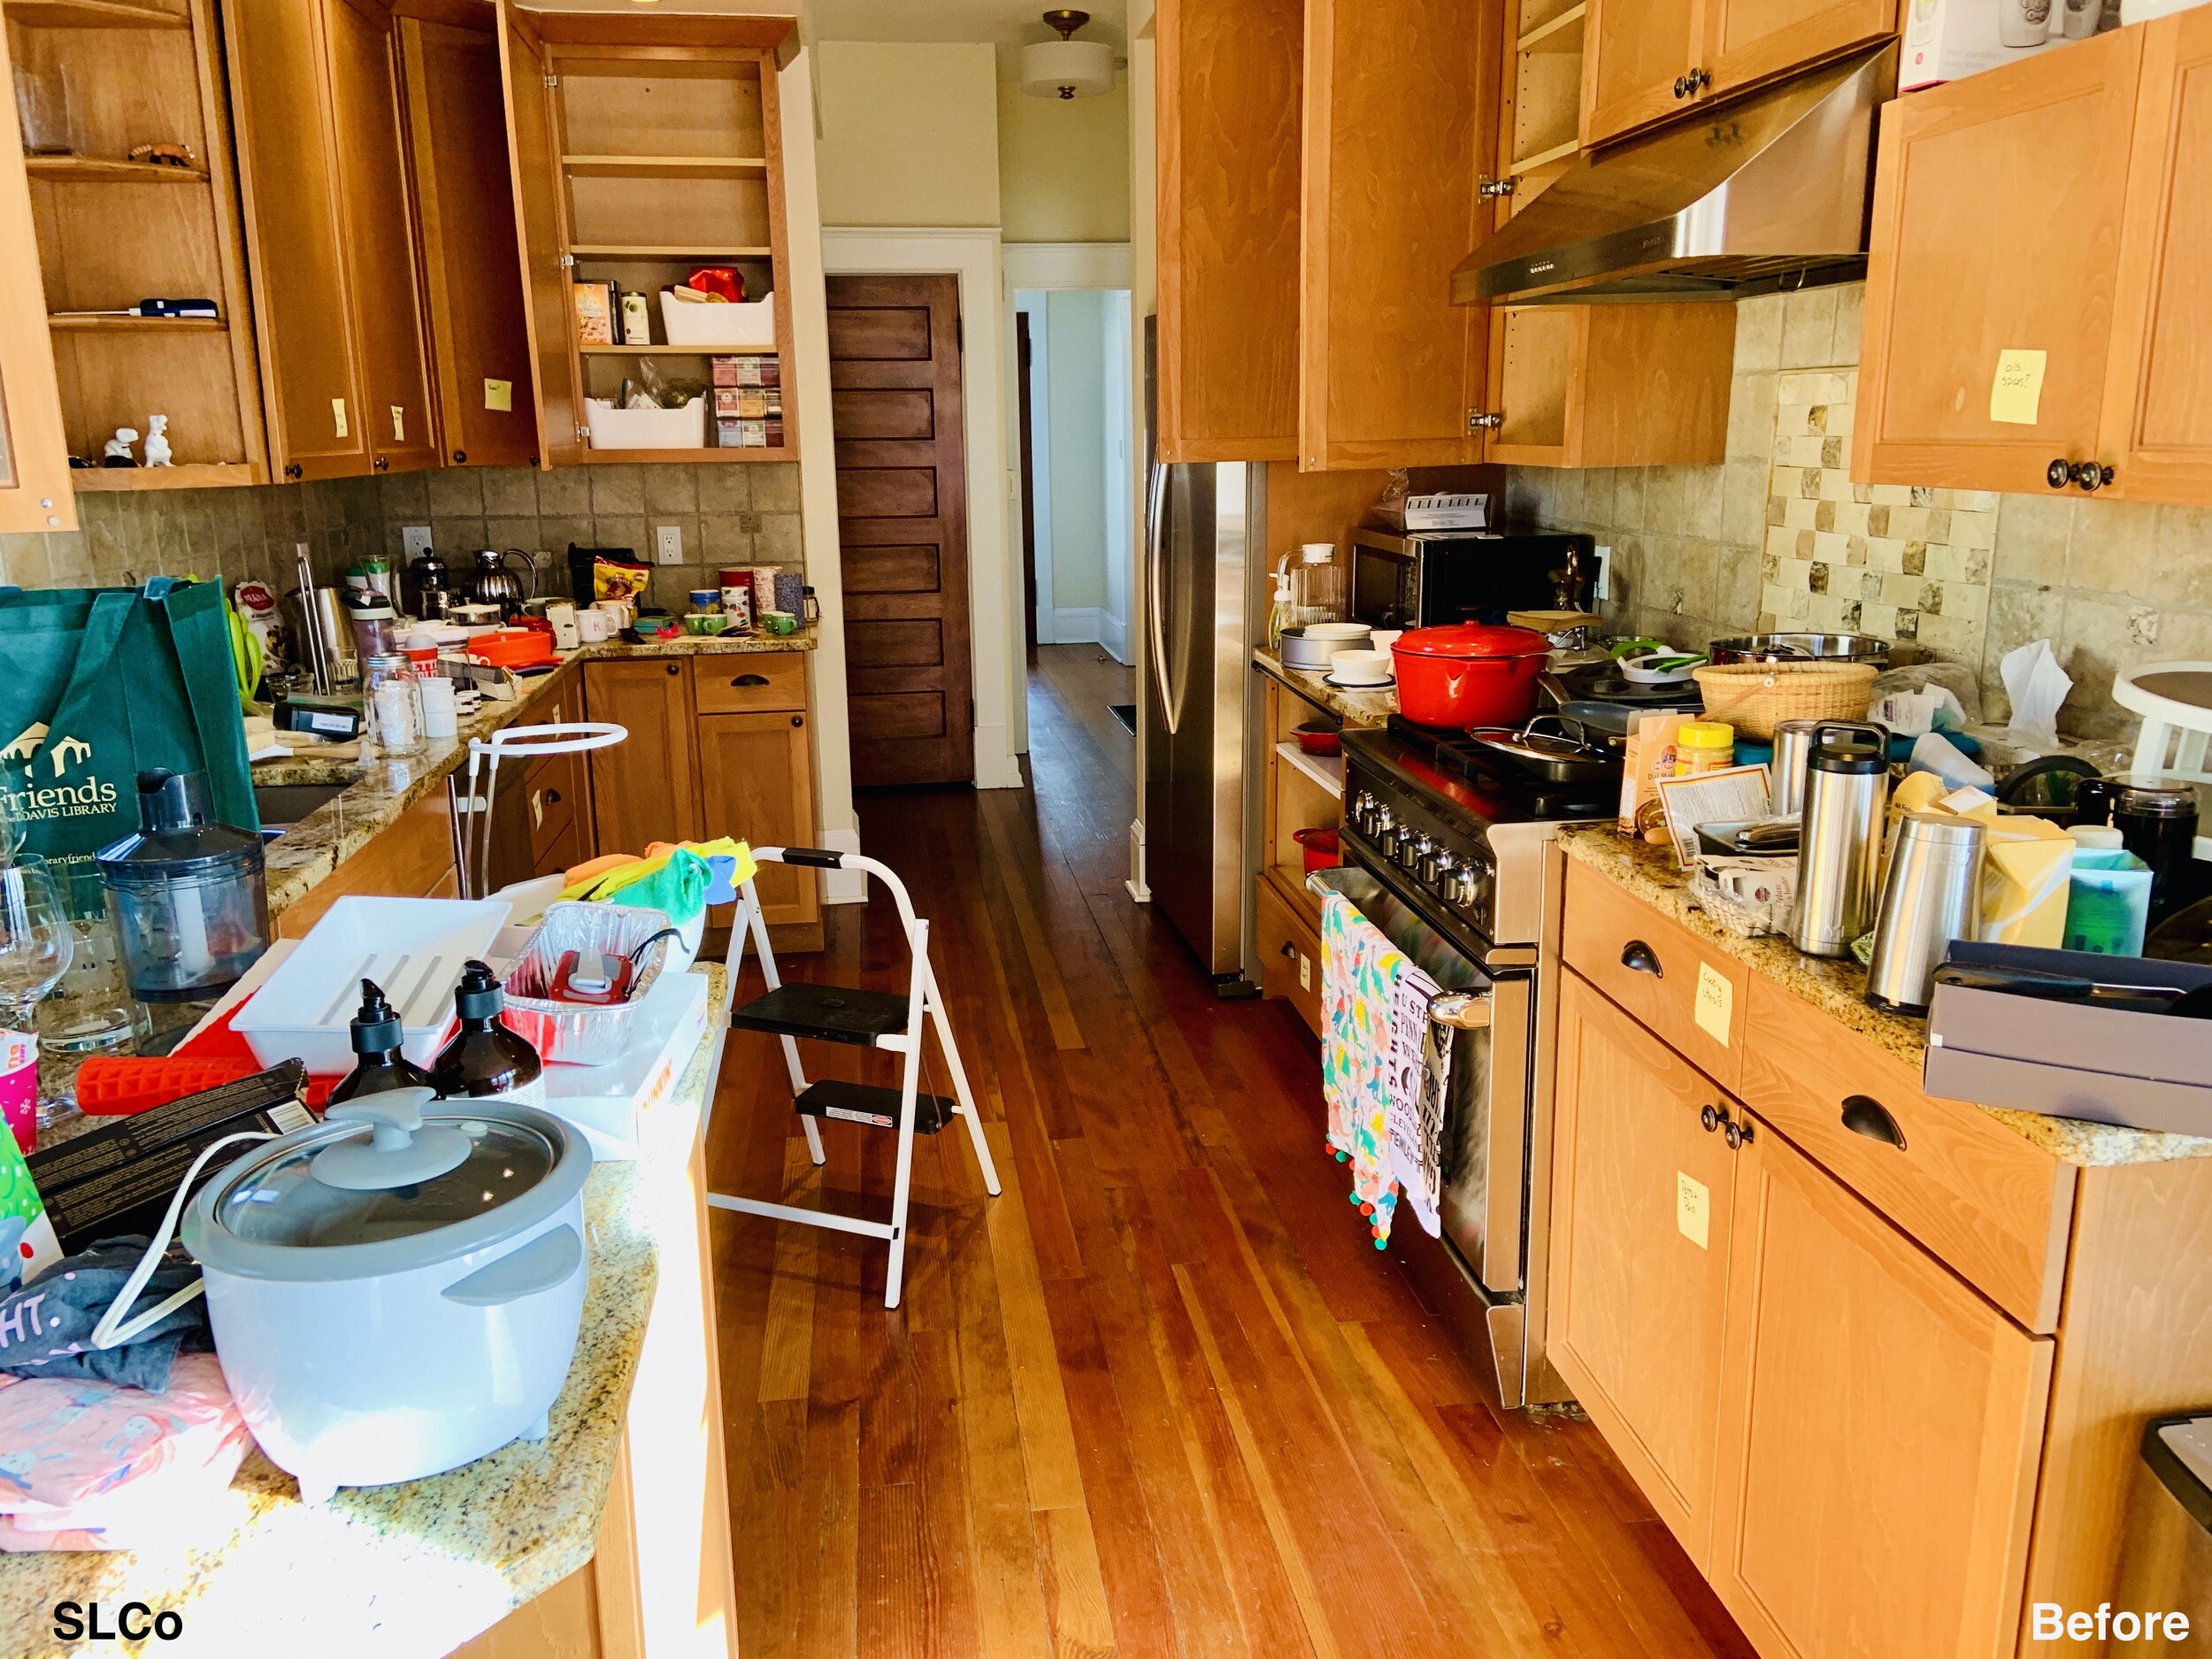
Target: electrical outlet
1602	590
415	539
668	543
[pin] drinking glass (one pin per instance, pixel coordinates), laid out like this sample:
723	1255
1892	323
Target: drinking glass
36	944
91	1010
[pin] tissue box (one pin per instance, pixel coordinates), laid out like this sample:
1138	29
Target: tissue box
1947	40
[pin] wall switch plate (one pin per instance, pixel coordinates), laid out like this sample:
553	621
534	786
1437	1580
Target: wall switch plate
415	539
1602	590
668	544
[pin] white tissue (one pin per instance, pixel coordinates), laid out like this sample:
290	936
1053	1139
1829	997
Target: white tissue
1909	713
1933	752
2037	685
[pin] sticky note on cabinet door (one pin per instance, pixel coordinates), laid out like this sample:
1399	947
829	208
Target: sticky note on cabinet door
1716	1003
1305	971
338	416
499	394
1692	1210
2016	391
399	423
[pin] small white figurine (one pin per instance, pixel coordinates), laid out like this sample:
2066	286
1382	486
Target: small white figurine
158	440
118	452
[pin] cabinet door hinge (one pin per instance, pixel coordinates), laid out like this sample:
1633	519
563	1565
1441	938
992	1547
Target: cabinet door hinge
552	82
568	262
1488	188
1483	420
583	434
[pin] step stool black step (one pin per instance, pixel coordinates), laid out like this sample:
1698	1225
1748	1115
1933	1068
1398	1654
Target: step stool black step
831	1013
867	1103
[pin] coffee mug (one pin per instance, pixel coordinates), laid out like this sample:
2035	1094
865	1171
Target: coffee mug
594	626
705	598
779	622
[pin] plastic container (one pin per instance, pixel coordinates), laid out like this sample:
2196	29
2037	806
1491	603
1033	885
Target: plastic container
2109	900
614	428
189	897
1703	746
413	948
572	1034
375	623
710	326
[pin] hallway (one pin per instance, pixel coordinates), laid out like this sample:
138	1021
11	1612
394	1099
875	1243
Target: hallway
1161	1397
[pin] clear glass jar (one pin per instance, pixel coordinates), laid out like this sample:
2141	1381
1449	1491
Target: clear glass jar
1701	746
392	703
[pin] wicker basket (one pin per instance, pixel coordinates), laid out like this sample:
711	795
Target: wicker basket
1753	696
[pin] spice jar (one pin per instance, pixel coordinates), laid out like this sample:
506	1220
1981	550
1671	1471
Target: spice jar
1702	746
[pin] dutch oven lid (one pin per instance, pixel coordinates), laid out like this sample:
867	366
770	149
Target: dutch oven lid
382	1186
1466	639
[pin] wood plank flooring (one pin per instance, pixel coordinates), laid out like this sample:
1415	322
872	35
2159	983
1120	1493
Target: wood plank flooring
1161	1397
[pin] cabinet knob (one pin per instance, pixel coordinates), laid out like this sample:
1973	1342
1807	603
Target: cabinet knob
293	469
460	457
1682	86
1709	1115
1638	958
1864	1115
1737	1134
2091	477
675	668
383	464
2059	473
798	719
1700	79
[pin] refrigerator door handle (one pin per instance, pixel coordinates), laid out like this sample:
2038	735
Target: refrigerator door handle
1154	512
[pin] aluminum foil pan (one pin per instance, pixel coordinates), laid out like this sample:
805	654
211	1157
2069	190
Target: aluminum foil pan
564	1033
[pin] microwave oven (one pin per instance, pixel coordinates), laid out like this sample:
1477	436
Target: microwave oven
1426	578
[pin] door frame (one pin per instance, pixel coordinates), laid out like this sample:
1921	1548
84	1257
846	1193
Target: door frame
997	656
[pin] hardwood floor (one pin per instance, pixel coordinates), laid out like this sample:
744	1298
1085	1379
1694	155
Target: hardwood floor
1161	1397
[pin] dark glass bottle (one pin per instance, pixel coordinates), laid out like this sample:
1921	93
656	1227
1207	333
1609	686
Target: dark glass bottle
484	1057
380	1065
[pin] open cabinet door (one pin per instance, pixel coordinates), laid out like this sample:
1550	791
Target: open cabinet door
34	489
1400	109
534	159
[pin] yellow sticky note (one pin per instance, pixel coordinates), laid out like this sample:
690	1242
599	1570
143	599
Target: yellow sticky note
1715	1001
1692	1210
399	423
2016	391
338	415
499	394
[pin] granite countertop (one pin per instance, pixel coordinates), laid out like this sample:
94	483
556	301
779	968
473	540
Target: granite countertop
1838	989
1354	708
378	791
421	1567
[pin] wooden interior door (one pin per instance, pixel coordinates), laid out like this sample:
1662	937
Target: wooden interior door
1641	1191
1401	110
1228	178
1748	41
380	221
902	523
1633	52
2158	391
34	489
534	159
1974	255
471	265
287	175
756	782
1881	1431
646	789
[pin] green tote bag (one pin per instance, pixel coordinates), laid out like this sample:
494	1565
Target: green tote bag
97	683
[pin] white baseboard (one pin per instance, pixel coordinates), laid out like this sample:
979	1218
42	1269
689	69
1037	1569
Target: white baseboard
843	886
1070	625
997	765
1138	888
1113	637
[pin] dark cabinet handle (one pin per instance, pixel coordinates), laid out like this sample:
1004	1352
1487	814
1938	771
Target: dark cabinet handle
383	464
1737	1134
293	469
1288	949
1709	1116
798	720
1864	1115
747	681
1682	86
1638	958
460	457
675	668
2091	477
1700	79
552	797
2059	473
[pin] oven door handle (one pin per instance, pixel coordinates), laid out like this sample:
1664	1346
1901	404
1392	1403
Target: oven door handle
1461	1010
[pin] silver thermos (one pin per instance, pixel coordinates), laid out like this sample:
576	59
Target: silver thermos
1932	893
1840	848
1793	742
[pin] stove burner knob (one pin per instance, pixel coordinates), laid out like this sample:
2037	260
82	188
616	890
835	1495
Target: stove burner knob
1466	888
1412	853
1439	870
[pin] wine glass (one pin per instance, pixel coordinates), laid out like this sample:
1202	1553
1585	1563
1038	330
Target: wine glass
36	944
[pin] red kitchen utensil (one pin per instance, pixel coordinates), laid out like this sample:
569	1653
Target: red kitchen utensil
114	1086
1468	673
1316	737
1324	849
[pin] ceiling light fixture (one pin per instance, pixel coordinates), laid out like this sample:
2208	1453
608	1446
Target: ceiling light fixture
1067	67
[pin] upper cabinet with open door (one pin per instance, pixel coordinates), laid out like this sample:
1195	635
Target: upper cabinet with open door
1400	116
35	492
1228	77
648	151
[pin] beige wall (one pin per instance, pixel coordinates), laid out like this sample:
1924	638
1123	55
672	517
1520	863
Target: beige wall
908	133
1063	165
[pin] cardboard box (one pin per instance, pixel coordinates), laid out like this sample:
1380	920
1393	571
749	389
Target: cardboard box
595	313
1948	39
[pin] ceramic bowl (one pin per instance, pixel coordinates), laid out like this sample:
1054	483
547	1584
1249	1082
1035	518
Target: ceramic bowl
1360	668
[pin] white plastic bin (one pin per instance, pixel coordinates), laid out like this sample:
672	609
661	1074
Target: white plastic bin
614	428
712	327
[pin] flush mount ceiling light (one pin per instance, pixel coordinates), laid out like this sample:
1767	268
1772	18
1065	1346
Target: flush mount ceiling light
1067	67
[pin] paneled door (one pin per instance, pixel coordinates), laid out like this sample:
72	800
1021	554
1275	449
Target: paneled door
34	489
903	524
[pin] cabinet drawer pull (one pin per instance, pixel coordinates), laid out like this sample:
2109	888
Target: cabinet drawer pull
553	797
1864	1115
1639	957
1288	949
798	719
748	681
1710	1117
675	668
1737	1134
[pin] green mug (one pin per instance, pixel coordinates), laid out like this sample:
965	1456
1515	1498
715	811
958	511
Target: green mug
779	622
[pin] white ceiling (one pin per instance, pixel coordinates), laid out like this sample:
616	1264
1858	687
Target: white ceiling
1000	22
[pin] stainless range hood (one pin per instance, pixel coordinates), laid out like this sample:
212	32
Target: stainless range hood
1767	190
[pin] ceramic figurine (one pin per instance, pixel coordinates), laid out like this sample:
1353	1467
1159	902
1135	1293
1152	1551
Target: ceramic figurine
118	452
157	442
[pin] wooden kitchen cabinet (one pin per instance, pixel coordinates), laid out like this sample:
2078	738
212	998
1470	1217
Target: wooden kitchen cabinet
646	789
35	492
1636	52
1401	103
1881	1431
1642	1182
1228	73
756	782
1612	384
1750	41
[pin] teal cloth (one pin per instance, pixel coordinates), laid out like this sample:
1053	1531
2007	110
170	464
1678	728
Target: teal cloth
678	889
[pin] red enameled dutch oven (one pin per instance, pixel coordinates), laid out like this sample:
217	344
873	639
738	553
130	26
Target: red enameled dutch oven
1468	673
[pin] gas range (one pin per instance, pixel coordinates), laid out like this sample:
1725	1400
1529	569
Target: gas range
1457	834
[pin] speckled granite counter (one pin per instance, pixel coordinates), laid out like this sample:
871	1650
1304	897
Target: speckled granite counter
1838	989
415	1570
1354	708
378	791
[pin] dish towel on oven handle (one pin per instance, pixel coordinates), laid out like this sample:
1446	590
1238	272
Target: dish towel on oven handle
1380	1072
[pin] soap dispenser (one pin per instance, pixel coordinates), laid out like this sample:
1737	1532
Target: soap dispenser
485	1060
381	1066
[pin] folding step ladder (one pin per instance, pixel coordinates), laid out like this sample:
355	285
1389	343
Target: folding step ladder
871	1019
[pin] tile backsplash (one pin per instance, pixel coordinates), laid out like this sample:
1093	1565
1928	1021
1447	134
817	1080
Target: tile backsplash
1778	536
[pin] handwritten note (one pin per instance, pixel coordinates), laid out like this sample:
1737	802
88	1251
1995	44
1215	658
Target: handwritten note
399	423
338	416
2016	392
499	394
1716	1001
1692	1210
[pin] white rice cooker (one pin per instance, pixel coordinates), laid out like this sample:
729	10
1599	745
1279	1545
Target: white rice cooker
396	1291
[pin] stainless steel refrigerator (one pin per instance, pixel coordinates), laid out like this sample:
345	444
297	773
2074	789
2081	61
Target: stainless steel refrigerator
1203	561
